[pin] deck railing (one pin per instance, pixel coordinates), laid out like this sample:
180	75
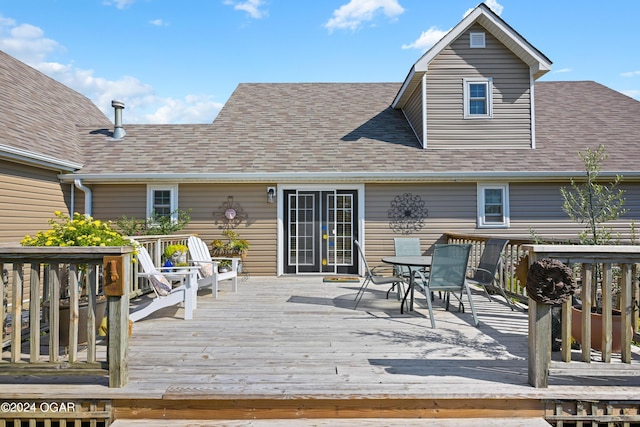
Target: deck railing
37	279
506	277
155	245
594	266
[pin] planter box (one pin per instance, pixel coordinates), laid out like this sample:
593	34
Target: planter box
596	329
101	308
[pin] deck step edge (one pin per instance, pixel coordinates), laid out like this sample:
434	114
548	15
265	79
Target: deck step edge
347	422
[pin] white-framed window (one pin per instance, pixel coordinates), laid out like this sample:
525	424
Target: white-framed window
478	98
162	200
493	205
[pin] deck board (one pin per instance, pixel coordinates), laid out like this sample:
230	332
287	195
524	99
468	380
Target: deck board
290	336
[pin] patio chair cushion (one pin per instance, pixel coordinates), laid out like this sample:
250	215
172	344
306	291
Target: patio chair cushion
161	284
206	269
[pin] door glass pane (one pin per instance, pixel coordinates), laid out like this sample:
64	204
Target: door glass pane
343	230
301	230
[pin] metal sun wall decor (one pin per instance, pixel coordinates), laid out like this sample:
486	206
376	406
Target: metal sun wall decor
230	214
407	214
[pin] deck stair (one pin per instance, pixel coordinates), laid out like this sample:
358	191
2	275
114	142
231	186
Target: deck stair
333	422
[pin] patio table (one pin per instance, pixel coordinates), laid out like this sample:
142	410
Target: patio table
413	264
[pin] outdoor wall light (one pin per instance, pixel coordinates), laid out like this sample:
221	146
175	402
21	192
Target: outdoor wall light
271	194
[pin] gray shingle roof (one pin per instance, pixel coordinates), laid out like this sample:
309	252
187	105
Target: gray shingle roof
342	128
39	114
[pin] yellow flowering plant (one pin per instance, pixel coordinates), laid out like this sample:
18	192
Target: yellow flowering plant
81	230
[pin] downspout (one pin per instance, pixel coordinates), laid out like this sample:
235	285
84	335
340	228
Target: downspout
87	195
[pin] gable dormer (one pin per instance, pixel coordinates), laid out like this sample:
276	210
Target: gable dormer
474	88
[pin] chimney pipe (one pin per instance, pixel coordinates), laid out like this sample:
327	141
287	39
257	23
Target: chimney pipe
118	131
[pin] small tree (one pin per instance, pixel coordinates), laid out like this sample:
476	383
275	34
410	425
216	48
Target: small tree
592	203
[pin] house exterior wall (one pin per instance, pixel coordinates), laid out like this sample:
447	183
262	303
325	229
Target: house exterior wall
538	207
452	208
28	198
259	227
413	112
204	203
511	123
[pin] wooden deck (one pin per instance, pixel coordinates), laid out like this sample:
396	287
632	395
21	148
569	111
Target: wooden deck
293	347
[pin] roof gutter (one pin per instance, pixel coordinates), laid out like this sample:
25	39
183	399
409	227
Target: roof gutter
36	159
366	177
87	195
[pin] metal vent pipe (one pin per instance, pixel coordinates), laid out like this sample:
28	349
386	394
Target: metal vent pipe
118	131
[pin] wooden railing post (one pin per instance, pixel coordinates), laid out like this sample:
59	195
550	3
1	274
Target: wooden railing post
34	312
539	343
626	308
16	305
118	328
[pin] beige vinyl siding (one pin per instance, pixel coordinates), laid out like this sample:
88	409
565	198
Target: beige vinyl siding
28	198
204	201
510	126
259	227
112	202
413	112
450	207
539	207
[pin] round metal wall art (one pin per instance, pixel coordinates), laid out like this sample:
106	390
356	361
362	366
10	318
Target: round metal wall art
230	214
407	213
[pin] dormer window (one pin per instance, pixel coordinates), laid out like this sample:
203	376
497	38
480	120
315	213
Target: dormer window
476	40
478	100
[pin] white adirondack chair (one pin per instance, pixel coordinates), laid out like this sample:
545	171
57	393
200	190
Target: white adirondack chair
209	273
165	294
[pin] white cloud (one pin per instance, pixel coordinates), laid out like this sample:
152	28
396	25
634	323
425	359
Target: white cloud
119	4
159	23
28	44
25	41
252	7
352	15
630	74
563	70
430	37
426	40
492	4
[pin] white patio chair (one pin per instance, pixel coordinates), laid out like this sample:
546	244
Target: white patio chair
209	273
165	294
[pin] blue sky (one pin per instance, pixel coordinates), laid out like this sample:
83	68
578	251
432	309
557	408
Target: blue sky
179	61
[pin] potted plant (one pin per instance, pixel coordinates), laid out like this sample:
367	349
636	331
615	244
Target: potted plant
233	247
79	230
176	255
593	204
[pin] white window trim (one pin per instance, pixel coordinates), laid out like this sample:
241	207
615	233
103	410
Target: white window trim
466	84
174	199
482	223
